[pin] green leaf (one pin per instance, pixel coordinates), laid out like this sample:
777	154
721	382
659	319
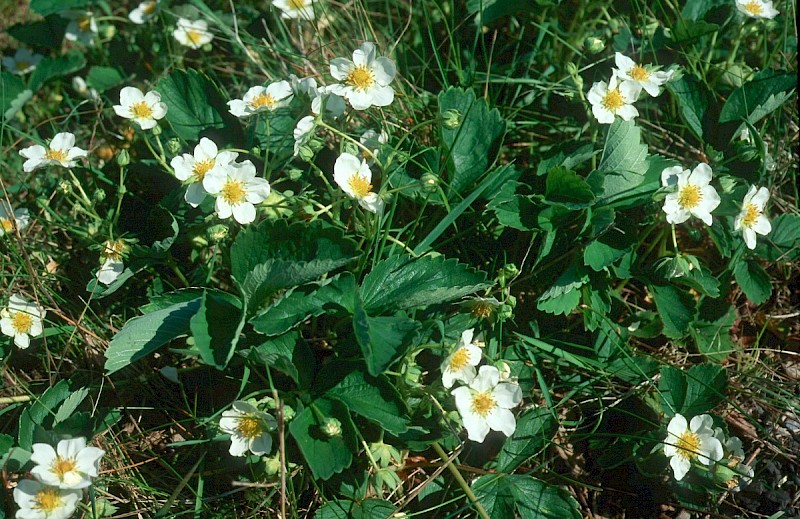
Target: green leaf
325	455
535	429
57	67
12	89
701	280
346	509
623	164
39	410
676	309
694	391
606	249
713	336
753	280
401	282
692	98
512	210
274	255
469	131
47	33
104	78
783	243
216	327
288	355
688	30
565	294
758	97
490	10
565	187
45	7
71	404
194	103
382	339
143	335
696	9
532	498
373	398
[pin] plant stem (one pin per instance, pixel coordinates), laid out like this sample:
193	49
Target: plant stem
461	482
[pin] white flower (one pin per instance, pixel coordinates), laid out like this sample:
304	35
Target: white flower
752	220
10	218
303	132
694	196
365	79
237	190
688	442
373	141
61	151
22	62
295	8
249	429
144	12
485	404
20	320
80	86
669	177
324	98
72	464
144	109
38	501
355	177
757	8
259	99
612	99
112	267
460	364
643	76
195	167
193	34
82	27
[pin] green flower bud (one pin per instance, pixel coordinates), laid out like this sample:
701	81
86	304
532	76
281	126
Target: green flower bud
217	233
594	45
451	118
123	158
272	464
99	195
331	427
174	146
157	130
430	182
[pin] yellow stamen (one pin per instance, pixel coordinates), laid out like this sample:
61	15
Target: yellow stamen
690	196
639	73
482	310
141	110
360	185
149	7
360	78
483	403
113	250
22	322
201	168
48	499
613	100
6	224
85	24
753	8
297	4
250	427
263	100
194	36
62	466
233	192
59	155
688	445
459	359
751	214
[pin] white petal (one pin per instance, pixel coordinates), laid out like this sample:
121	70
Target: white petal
502	420
701	175
477	427
244	213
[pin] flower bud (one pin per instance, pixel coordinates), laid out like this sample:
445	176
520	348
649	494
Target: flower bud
331	427
451	118
123	158
594	45
157	130
430	182
217	232
174	146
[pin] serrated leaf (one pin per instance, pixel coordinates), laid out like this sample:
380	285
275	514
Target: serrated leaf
216	327
752	100
56	67
713	336
783	242
696	9
288	354
565	294
676	309
194	103
401	282
325	455
143	335
382	339
701	280
513	210
70	404
535	429
606	249
39	410
692	392
346	509
103	78
565	187
623	164
531	498
753	280
692	98
374	398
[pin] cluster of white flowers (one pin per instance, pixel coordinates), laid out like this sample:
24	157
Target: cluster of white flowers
21	319
485	403
22	62
249	429
61	474
757	8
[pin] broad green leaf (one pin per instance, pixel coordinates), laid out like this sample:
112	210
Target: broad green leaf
623	164
274	255
606	249
39	410
501	495
56	67
676	309
12	88
692	98
753	280
513	210
216	327
71	404
402	282
194	103
565	187
288	354
783	243
469	130
6	442
47	33
535	429
373	398
346	509
565	294
45	7
104	78
696	9
758	97
325	455
713	336
687	30
488	11
143	335
701	280
382	339
162	301
692	392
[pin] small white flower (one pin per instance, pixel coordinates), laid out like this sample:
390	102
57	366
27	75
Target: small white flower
259	99
752	220
688	442
195	167
111	258
460	364
485	404
21	320
365	79
61	151
11	218
303	132
237	190
643	76
144	109
144	12
757	8
693	197
613	98
72	464
22	62
193	34
38	501
295	8
355	177
80	86
373	141
249	429
82	27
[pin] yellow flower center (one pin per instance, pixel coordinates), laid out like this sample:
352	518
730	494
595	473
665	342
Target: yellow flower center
85	24
639	73
688	445
250	427
360	185
149	8
141	110
751	214
201	168
263	100
22	65
233	192
483	403
753	8
360	78
194	36
297	4
613	100
113	249
482	310
459	359
48	499
22	322
62	466
690	196
6	224
59	155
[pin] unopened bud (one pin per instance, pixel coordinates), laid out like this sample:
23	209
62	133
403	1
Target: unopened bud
451	118
331	427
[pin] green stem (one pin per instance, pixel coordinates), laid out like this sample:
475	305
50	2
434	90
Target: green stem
461	482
